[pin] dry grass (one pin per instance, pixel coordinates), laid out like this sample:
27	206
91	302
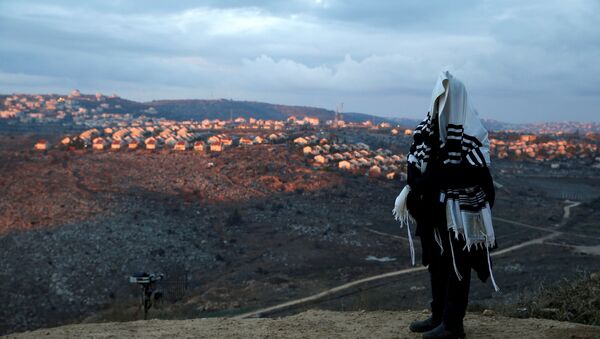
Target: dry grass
574	301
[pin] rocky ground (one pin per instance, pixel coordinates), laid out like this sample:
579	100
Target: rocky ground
243	227
238	231
318	324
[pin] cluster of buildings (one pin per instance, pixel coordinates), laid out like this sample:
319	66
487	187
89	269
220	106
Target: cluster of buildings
542	148
564	127
36	108
293	123
164	135
73	108
356	158
183	136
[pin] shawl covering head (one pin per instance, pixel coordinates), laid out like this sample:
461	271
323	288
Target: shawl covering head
462	137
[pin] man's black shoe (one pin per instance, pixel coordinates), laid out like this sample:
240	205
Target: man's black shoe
424	325
441	332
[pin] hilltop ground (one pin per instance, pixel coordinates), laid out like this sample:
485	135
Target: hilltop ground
318	324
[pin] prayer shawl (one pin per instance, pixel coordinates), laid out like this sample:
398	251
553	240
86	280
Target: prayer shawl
462	141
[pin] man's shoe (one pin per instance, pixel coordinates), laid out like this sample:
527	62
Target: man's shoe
441	332
424	325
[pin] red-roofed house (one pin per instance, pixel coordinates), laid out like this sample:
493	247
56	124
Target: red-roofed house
216	147
199	146
133	144
98	144
180	145
150	143
117	144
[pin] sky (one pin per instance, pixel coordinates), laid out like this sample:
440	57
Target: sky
521	61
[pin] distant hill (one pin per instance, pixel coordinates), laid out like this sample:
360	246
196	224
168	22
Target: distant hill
198	109
225	109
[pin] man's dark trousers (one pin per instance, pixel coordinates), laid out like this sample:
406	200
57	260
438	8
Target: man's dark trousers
450	295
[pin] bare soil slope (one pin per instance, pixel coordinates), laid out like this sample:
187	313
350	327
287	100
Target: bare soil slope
317	324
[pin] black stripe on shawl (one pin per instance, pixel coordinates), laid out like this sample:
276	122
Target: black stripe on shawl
472	199
472	139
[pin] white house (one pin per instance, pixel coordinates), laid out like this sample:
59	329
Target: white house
98	143
117	144
374	171
245	141
181	145
227	141
320	159
134	144
300	141
216	147
199	146
42	145
344	165
150	143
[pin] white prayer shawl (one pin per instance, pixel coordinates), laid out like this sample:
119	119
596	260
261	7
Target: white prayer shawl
457	115
462	138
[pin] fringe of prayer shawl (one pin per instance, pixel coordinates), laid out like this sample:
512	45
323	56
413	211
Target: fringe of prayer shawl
476	228
402	215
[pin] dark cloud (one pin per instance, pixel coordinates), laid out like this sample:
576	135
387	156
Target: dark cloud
381	57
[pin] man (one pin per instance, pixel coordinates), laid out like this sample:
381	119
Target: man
449	195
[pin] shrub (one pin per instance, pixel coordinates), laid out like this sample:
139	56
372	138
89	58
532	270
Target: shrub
575	301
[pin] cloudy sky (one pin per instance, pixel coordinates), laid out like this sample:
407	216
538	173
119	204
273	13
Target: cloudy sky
522	61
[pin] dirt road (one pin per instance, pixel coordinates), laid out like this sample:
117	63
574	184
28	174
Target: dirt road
352	287
317	324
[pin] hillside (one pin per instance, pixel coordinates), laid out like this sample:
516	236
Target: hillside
317	324
245	229
199	109
224	109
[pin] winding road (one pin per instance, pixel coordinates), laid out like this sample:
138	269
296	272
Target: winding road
553	233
